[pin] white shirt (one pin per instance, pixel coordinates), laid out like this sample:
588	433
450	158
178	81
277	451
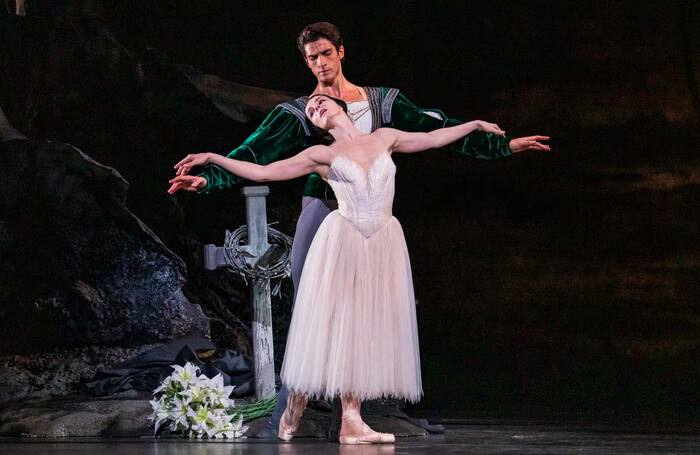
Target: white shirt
361	115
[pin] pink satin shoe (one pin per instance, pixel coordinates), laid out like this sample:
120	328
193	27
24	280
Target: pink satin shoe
368	435
295	406
286	432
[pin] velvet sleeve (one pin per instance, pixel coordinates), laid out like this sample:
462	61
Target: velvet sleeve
407	116
281	134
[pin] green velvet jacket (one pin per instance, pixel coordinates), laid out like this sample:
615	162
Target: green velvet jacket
286	131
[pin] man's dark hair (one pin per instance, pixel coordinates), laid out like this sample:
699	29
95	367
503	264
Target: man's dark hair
316	31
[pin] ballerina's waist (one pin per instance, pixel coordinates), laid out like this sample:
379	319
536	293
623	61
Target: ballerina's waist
367	222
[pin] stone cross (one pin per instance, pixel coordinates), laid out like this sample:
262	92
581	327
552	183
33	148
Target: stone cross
263	350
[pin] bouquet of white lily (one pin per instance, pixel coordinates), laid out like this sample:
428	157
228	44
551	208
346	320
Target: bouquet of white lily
195	405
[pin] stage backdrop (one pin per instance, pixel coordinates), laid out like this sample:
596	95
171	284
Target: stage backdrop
560	283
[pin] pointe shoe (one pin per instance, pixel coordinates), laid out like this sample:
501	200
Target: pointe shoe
286	432
295	405
368	436
375	438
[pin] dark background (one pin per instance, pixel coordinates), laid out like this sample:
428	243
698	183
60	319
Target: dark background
561	284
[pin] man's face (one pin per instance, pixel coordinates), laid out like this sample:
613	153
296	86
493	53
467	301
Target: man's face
323	59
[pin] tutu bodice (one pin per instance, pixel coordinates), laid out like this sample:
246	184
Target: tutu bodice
365	198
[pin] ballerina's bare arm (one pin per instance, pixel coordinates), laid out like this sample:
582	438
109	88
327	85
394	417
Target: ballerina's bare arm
404	142
312	159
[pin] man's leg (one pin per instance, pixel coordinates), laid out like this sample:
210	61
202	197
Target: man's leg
313	212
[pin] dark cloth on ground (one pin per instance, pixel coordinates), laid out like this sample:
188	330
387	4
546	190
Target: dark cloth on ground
146	371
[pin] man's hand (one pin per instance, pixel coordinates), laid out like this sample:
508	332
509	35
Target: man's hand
186	164
520	144
187	183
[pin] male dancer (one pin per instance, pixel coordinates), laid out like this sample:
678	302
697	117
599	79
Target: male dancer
286	131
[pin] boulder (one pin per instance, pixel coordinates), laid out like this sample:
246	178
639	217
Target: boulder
79	267
51	375
77	418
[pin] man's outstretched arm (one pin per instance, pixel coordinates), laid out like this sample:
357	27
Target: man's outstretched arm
280	135
406	116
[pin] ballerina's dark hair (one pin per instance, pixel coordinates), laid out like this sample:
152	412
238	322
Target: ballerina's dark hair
338	101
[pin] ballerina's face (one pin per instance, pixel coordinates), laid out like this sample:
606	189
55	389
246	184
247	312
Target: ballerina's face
321	110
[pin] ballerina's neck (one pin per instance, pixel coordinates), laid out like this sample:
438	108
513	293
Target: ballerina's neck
345	130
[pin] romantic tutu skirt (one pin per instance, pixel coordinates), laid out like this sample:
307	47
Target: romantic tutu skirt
353	329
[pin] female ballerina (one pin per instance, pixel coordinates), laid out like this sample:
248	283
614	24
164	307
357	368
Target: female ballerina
353	332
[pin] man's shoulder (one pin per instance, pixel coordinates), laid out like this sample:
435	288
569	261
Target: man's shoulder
381	99
294	108
381	88
298	103
381	92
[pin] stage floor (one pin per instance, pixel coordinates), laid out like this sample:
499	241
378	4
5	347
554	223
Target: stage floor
458	439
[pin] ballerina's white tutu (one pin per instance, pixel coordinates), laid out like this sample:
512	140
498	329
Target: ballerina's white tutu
353	329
